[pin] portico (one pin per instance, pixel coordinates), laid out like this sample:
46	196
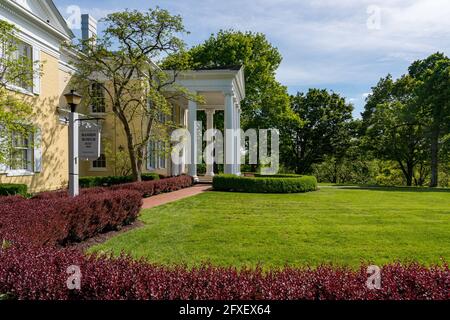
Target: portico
221	90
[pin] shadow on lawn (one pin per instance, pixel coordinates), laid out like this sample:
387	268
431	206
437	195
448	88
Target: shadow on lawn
396	189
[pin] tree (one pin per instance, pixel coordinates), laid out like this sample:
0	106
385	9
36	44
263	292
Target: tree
394	129
123	62
15	112
433	92
326	131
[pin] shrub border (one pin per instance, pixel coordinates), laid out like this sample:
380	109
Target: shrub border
265	184
12	189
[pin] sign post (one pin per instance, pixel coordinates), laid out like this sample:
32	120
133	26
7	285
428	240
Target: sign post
74	170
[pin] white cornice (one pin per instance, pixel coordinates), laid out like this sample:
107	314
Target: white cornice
215	79
20	11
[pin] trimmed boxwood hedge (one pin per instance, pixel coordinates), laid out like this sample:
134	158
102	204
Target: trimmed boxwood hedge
92	182
265	184
13	189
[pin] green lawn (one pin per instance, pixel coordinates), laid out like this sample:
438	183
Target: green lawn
334	225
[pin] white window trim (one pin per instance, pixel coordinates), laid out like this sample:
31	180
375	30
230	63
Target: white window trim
18	89
19	173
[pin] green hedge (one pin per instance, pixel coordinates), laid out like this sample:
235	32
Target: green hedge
284	175
265	184
13	189
91	182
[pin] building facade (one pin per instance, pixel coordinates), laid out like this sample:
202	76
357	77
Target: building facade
42	30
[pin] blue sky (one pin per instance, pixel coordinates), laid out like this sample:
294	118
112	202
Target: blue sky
340	45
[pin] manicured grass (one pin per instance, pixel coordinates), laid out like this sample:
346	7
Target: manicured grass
337	225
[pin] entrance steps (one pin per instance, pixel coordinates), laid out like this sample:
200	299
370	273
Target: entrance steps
205	180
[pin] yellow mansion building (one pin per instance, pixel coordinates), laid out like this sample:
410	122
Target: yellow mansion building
44	166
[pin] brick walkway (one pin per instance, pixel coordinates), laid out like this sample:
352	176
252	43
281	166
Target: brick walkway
174	196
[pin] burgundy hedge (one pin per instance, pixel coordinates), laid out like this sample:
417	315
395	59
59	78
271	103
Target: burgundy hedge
61	220
41	273
145	188
151	188
52	218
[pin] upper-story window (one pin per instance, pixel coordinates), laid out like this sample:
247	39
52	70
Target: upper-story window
97	98
24	54
161	117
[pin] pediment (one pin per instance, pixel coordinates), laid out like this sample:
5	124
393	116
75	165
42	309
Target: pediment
47	12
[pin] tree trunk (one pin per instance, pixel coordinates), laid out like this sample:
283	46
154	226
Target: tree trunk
335	173
408	172
298	150
136	172
140	162
434	158
409	175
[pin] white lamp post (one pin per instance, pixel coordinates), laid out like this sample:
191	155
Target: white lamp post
73	100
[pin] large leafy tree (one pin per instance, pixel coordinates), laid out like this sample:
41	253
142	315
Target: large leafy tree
433	94
327	128
394	128
123	62
14	110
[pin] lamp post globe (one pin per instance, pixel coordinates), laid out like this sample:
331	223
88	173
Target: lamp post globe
73	99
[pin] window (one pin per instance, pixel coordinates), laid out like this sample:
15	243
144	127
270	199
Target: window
152	164
22	152
98	98
100	163
162	118
24	148
156	156
24	54
162	155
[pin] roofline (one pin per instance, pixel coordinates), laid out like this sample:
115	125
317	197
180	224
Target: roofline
237	76
41	22
61	18
212	71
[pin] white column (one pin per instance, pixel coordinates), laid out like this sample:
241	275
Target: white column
229	140
234	137
239	145
210	142
74	171
193	131
184	168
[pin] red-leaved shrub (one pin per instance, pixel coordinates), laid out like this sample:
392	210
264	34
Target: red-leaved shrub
58	220
146	188
41	273
53	218
150	188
